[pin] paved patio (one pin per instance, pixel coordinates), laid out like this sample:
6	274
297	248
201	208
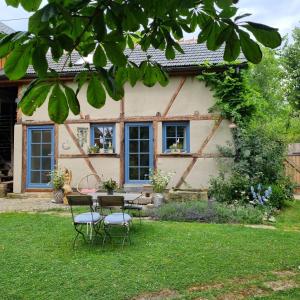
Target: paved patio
28	204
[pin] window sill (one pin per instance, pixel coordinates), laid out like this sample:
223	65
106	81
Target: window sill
176	154
104	154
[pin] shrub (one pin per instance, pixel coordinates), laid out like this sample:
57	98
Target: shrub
256	159
209	212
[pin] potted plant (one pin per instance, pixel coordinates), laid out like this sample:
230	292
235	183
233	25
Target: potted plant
110	148
94	149
173	148
159	181
58	181
110	186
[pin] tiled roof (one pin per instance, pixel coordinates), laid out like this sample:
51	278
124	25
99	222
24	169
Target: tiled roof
5	29
194	55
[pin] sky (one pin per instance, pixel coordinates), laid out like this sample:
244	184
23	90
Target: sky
282	14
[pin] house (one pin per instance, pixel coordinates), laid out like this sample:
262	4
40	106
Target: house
7	120
169	128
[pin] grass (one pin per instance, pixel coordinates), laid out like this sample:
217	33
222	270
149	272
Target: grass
37	261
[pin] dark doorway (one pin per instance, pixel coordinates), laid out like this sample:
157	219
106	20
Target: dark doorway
8	96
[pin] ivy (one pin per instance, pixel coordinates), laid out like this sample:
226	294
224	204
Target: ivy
231	92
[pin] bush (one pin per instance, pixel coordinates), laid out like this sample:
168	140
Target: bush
209	212
256	158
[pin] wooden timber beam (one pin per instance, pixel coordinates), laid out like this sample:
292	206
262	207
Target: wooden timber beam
194	117
293	165
179	87
199	152
74	139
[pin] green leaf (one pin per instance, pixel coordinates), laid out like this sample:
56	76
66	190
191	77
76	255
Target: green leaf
232	47
213	37
31	5
149	78
6	45
72	100
224	3
161	76
170	53
58	108
95	93
115	54
205	32
250	48
241	16
133	75
80	79
34	99
228	12
39	61
99	58
18	61
14	3
266	35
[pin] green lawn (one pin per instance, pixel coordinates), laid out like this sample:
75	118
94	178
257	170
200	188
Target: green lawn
193	260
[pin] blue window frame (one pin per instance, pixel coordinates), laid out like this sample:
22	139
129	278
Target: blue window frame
176	137
138	152
40	156
103	135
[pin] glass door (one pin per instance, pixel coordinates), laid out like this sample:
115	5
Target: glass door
40	156
138	152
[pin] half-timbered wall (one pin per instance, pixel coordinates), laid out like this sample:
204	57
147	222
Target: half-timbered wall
184	99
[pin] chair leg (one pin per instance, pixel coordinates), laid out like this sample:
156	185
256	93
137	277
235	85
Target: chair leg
79	232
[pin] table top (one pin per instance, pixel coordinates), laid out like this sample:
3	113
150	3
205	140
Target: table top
128	197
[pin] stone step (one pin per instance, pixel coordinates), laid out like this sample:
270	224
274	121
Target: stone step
133	188
43	195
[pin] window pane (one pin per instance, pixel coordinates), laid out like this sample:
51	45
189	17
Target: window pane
144	173
134	160
98	132
171	131
144	146
46	163
35	176
46	149
46	136
181	131
45	177
35	164
133	173
108	132
170	142
36	136
144	160
133	132
35	149
133	146
181	143
144	132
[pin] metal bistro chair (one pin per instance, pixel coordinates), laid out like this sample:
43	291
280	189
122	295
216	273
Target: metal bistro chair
92	220
115	219
135	206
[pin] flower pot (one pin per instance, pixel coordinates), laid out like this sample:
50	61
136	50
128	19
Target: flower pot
110	192
58	195
158	199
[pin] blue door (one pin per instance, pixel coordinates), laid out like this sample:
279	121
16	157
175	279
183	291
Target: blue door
138	152
40	156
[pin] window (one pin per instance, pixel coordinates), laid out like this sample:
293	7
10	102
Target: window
176	137
103	137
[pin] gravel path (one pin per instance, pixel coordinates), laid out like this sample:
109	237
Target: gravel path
29	204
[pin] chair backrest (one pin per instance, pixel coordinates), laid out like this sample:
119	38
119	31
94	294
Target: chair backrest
111	201
80	200
88	184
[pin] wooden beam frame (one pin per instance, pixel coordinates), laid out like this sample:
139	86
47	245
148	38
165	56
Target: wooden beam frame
24	158
74	139
174	96
199	153
194	117
122	143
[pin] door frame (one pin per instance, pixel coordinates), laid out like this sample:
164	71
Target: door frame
43	186
126	150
